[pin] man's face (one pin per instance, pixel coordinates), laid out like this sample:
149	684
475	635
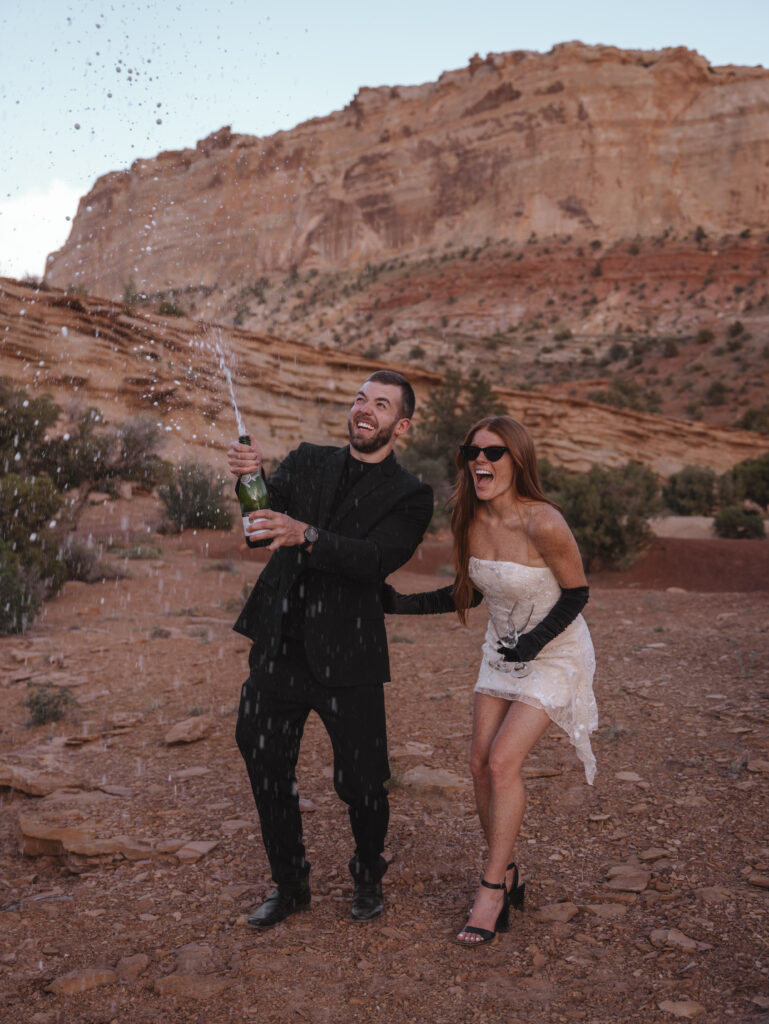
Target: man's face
376	418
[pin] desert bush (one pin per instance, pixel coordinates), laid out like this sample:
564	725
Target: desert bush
739	523
80	559
716	394
46	703
81	455
625	393
451	410
755	419
170	308
21	592
747	481
137	456
23	423
28	507
607	509
617	351
195	499
691	491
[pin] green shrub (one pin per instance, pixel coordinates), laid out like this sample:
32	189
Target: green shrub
717	393
80	455
195	499
737	522
46	704
747	481
691	491
21	592
167	308
28	507
607	509
617	351
451	410
80	559
755	419
23	423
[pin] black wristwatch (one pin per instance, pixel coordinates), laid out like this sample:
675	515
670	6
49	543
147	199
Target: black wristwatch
310	536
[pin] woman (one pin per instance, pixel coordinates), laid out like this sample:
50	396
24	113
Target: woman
512	546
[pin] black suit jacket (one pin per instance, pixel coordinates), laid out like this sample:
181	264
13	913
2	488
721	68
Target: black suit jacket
374	530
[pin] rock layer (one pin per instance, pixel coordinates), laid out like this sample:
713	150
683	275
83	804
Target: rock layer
93	351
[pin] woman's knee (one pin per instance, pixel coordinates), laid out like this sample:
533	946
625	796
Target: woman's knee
479	766
504	770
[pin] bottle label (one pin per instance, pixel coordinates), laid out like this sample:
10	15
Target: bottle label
253	534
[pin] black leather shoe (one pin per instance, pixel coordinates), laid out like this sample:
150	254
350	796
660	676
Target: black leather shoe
279	905
367	900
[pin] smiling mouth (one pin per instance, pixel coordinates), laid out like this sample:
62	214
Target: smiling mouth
481	475
363	425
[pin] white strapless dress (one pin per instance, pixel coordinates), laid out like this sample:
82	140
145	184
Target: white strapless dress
560	680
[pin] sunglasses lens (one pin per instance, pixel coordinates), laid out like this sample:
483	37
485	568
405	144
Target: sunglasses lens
493	452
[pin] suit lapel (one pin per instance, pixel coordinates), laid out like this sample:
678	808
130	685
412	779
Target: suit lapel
332	474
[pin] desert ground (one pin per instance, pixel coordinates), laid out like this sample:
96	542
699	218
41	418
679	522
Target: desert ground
130	855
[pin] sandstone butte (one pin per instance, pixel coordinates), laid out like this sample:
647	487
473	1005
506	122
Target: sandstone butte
583	142
93	352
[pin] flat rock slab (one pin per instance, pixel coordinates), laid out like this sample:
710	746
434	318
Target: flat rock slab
192	986
629	881
128	968
672	938
191	852
190	730
682	1008
36	781
72	825
610	911
561	912
433	779
82	981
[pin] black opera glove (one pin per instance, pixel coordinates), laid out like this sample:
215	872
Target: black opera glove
430	602
562	614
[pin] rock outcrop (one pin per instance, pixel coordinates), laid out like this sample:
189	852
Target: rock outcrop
584	141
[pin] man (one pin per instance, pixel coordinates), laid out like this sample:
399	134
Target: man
342	519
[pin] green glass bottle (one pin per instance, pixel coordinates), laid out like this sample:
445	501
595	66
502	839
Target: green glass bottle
253	496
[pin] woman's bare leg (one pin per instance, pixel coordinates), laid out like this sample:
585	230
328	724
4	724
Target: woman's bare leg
499	791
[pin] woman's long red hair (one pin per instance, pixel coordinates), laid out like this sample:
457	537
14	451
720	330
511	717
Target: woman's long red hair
465	503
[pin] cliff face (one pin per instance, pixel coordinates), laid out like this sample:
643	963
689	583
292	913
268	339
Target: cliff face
94	353
587	142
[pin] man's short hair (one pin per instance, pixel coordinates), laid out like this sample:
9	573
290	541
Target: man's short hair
408	400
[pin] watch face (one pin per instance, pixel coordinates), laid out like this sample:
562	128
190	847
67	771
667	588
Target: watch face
311	534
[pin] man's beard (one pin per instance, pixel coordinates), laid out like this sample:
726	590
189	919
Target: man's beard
367	445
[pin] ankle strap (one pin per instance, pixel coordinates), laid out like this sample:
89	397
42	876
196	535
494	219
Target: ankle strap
492	885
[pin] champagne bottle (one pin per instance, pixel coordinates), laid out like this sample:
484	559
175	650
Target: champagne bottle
253	496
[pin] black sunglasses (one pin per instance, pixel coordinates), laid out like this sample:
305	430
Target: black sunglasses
493	452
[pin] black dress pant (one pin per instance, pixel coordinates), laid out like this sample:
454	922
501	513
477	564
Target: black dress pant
275	702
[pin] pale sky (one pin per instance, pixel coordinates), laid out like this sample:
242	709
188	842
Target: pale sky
87	87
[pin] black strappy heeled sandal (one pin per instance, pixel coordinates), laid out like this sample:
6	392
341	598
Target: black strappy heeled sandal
515	893
502	923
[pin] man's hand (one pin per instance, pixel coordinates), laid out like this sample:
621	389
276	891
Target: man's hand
284	531
244	458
